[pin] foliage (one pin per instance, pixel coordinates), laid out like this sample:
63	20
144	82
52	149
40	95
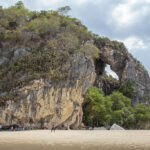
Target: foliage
64	10
118	45
68	42
90	50
19	5
50	35
9	96
95	111
101	41
110	78
44	25
100	110
128	89
142	115
119	101
31	66
104	41
12	35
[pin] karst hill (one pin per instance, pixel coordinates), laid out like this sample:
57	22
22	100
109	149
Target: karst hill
48	61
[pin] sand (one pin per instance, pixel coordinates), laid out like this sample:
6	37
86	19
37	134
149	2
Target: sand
75	140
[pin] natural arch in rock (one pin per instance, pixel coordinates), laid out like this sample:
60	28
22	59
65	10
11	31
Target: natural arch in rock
126	67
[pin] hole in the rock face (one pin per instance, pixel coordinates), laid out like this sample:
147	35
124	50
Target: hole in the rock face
99	66
110	72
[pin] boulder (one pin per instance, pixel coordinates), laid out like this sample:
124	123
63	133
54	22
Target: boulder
116	127
20	52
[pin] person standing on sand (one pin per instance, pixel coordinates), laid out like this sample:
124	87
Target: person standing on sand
68	127
53	128
12	128
0	127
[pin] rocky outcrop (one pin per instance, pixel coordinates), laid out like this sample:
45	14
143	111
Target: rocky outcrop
44	103
107	83
126	67
116	127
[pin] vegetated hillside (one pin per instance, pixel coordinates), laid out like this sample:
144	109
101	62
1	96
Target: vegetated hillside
38	44
48	60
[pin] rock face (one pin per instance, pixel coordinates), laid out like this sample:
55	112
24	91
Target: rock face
43	103
126	67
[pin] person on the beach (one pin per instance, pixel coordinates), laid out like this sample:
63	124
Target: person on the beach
12	128
68	127
0	127
53	128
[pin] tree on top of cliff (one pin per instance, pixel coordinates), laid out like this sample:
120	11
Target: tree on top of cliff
64	10
19	5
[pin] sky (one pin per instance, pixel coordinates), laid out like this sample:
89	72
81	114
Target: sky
127	21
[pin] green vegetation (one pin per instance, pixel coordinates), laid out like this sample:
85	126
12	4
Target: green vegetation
97	109
35	65
12	96
128	89
64	10
118	45
43	26
90	50
110	78
104	41
100	110
142	115
51	37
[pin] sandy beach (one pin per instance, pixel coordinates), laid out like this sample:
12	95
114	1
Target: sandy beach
75	140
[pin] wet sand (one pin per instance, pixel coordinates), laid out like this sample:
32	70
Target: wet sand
75	140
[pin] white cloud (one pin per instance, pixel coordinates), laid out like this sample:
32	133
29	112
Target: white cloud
134	43
81	1
110	72
124	14
147	1
53	4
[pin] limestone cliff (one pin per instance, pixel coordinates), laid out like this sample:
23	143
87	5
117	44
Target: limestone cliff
43	103
125	66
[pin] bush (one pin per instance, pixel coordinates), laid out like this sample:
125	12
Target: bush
95	110
128	89
90	50
44	25
142	115
67	41
119	45
12	35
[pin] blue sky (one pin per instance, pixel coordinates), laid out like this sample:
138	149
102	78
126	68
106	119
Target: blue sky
124	20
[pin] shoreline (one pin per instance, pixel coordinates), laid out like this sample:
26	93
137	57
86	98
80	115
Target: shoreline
75	139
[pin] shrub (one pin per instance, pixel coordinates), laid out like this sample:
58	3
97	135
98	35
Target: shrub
128	89
68	42
90	50
44	25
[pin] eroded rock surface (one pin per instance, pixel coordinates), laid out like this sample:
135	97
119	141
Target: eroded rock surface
43	103
127	68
